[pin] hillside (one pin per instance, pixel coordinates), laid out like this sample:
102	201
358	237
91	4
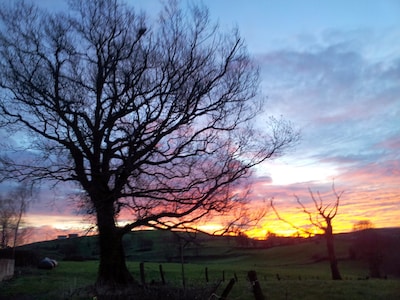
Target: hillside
164	246
287	268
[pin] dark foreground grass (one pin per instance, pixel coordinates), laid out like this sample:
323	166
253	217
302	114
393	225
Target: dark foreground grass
59	283
71	279
321	289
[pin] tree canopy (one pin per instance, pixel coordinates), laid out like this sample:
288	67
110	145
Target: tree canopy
156	119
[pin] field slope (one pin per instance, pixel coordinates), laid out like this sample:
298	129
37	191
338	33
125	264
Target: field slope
295	270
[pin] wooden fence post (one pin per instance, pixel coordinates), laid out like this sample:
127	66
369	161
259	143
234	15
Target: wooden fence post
162	274
142	278
228	289
206	272
258	295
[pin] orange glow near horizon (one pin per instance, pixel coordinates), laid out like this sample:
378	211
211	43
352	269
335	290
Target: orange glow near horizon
49	227
369	197
331	72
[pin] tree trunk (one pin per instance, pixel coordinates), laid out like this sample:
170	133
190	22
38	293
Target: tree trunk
113	275
3	236
331	253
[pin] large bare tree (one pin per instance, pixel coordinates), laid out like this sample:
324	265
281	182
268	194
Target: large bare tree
154	119
321	217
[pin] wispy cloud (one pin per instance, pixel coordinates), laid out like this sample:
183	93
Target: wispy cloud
342	88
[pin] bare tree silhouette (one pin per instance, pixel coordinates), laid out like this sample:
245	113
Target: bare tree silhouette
13	207
154	121
321	218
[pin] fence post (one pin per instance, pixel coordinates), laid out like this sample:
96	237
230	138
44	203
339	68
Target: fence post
142	278
206	272
162	274
258	295
228	289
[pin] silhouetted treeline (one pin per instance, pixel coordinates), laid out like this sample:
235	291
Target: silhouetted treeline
379	249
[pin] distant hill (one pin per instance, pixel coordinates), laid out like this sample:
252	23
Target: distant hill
165	246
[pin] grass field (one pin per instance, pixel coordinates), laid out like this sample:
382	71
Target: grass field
295	283
301	272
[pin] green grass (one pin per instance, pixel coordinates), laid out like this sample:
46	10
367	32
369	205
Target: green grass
61	282
303	272
58	283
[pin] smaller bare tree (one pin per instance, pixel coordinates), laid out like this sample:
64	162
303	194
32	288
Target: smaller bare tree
6	214
12	210
321	218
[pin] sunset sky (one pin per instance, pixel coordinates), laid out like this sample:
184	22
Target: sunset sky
333	69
